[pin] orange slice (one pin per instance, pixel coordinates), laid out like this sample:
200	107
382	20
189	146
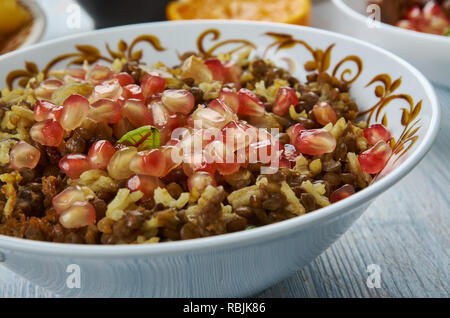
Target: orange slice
286	11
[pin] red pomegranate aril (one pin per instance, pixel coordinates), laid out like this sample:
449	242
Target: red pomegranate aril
324	113
133	91
196	161
137	113
294	131
315	142
152	83
44	110
74	165
233	72
238	135
110	89
198	182
249	103
375	133
119	165
375	159
100	154
228	167
290	153
149	163
65	199
24	155
47	87
178	100
159	113
124	78
99	73
217	69
343	192
145	184
285	98
230	98
76	73
79	215
205	117
47	133
74	111
105	110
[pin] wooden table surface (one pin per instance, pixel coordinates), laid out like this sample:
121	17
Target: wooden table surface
405	232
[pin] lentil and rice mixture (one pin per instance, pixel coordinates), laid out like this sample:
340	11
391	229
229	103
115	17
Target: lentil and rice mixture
85	154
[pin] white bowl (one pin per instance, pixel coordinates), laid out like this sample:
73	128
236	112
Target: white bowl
242	263
429	53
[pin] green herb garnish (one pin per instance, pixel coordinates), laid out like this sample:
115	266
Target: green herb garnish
145	137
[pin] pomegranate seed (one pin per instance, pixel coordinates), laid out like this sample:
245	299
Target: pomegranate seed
374	159
315	142
124	79
145	184
195	162
99	73
195	68
44	110
414	13
324	113
249	103
149	163
178	100
228	168
100	154
47	87
233	73
285	98
79	215
208	118
220	107
343	192
133	91
24	155
294	131
152	83
76	73
290	154
105	111
230	98
170	164
65	199
122	127
216	152
74	165
137	113
238	135
217	69
47	133
159	113
198	182
110	89
74	111
375	133
119	165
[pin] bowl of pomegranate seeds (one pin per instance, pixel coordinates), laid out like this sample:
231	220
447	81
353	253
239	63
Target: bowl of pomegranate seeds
418	31
194	158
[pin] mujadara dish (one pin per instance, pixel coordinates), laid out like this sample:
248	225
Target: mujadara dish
428	16
139	153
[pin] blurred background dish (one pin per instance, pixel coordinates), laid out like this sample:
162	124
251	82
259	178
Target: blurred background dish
428	52
285	11
21	23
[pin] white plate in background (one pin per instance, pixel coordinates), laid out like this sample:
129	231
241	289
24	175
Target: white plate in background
429	53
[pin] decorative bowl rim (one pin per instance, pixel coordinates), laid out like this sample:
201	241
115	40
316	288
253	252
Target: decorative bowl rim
362	18
241	238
